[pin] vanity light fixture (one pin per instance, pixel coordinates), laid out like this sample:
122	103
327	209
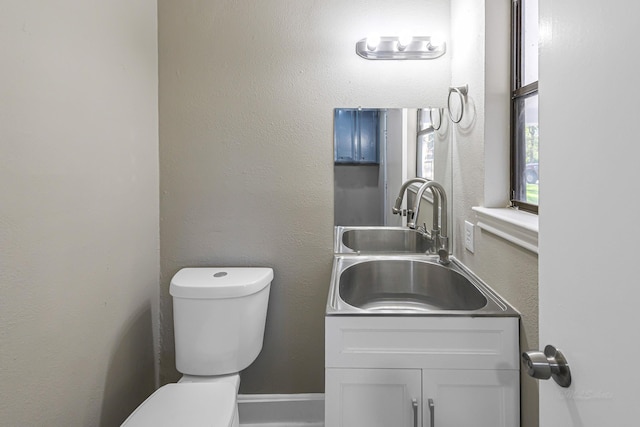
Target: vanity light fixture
423	47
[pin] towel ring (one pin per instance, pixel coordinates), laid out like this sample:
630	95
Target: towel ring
462	92
439	110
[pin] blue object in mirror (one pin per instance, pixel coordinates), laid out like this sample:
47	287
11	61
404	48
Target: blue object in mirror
357	136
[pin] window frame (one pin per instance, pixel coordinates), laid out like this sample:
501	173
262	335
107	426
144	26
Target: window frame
425	142
518	94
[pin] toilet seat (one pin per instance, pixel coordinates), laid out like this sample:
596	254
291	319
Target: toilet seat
187	404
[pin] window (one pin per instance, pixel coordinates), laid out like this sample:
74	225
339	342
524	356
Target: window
525	180
425	145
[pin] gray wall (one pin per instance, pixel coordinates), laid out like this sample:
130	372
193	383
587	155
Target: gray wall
79	211
358	195
246	99
247	92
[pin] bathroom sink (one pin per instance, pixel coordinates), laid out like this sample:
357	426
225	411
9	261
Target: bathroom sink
417	284
380	240
393	284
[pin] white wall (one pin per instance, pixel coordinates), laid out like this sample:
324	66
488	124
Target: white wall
480	46
247	92
79	210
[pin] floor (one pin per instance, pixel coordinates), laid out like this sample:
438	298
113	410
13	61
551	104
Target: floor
295	424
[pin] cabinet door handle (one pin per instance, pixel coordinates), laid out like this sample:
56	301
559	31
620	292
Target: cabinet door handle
414	403
432	412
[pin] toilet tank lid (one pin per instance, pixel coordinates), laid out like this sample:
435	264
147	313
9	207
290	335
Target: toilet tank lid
219	282
186	404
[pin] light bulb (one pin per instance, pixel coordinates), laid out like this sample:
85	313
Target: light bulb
373	42
434	43
404	41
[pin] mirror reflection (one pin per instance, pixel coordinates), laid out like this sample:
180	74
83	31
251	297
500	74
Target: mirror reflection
375	151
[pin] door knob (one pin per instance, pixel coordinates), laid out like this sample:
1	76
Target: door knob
550	364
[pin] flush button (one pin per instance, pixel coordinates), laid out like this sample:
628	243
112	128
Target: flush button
220	274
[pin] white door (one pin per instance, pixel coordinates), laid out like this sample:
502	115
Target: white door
590	209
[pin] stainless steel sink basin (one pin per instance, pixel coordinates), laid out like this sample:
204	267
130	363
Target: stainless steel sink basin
380	240
393	284
418	285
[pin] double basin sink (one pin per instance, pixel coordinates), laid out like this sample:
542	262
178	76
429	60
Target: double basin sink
388	271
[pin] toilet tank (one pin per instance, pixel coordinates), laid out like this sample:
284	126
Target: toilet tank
219	317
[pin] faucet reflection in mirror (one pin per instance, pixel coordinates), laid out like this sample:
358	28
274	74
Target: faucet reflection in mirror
397	207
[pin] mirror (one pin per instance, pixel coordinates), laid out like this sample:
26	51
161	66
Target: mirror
376	150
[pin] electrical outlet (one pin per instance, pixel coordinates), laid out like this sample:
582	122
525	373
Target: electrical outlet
468	236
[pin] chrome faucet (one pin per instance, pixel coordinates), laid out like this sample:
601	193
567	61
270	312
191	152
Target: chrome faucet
438	234
396	210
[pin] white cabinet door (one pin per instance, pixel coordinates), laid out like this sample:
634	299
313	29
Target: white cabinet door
372	397
478	398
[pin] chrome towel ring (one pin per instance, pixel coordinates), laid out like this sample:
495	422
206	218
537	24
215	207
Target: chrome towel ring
462	92
433	123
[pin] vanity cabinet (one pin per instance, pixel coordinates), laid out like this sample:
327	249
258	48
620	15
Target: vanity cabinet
372	397
421	371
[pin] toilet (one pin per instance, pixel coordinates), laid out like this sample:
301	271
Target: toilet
219	318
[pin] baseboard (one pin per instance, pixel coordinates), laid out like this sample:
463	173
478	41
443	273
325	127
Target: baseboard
283	409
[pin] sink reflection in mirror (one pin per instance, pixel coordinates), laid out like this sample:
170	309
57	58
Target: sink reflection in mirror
376	150
380	240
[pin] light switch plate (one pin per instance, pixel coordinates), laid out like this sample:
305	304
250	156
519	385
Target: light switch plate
468	235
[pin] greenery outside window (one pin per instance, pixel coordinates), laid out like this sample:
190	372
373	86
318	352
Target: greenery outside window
525	179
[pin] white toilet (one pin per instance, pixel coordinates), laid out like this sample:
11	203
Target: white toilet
219	317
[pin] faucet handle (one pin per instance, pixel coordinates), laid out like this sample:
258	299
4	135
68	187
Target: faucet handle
422	229
402	212
442	247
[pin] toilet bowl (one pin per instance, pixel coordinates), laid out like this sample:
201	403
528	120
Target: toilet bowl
219	319
187	404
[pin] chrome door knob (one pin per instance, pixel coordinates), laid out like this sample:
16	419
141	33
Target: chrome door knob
550	364
538	365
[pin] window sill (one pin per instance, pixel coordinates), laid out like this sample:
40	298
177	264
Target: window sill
517	227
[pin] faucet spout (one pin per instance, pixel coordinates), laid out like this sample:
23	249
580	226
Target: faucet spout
439	232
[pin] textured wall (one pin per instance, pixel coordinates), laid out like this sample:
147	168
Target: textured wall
508	269
247	91
79	211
